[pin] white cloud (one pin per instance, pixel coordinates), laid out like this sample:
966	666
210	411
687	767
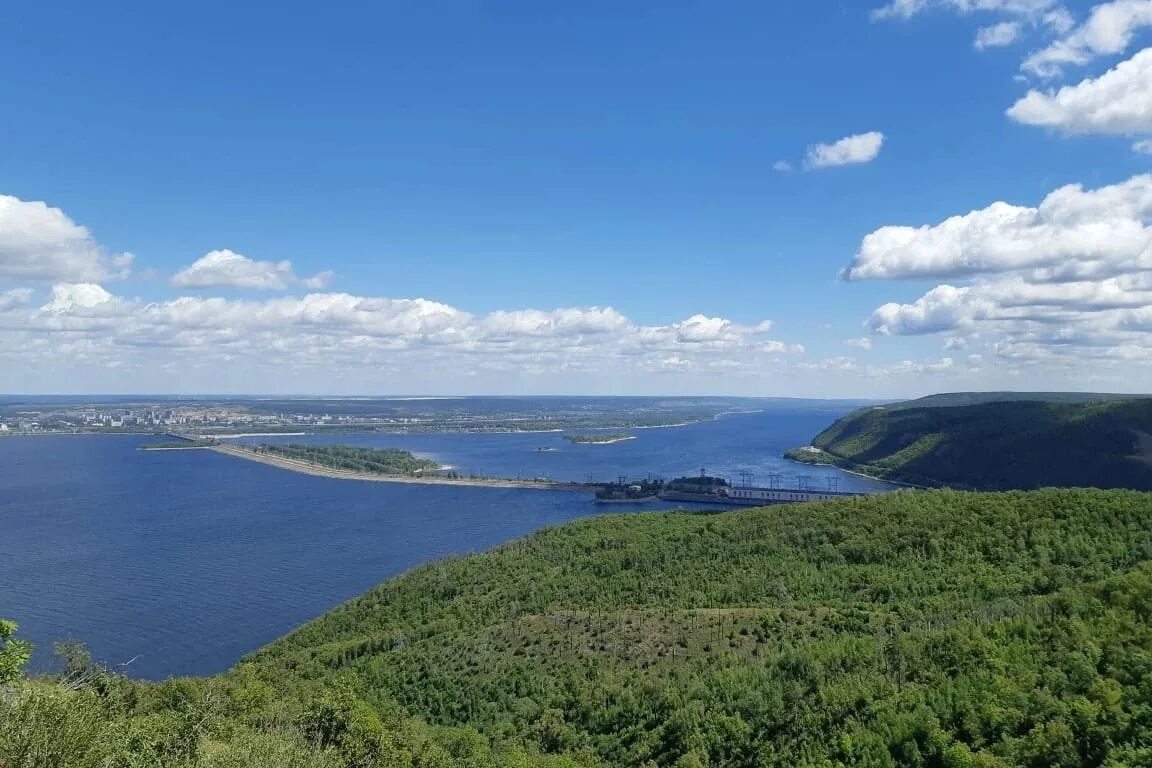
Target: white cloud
782	166
561	322
906	9
861	343
1018	17
956	343
318	281
852	150
1059	20
15	298
1106	305
1117	102
1109	30
38	242
227	269
1067	281
1143	147
366	338
1048	14
699	328
903	369
1073	234
997	36
70	297
944	308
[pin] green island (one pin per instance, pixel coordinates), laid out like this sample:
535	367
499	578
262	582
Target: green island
349	458
995	444
180	445
598	439
933	628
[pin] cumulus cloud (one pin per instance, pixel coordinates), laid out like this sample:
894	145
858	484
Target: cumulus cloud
592	321
997	36
699	328
1068	280
944	308
1073	234
71	297
861	343
1143	147
1115	303
38	242
360	335
782	166
1117	102
228	269
852	150
1109	30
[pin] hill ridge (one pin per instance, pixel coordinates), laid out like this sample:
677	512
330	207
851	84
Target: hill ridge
996	445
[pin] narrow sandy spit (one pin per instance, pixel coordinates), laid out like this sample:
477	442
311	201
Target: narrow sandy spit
308	468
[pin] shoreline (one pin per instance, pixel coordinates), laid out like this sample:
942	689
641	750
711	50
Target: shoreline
317	470
864	475
387	432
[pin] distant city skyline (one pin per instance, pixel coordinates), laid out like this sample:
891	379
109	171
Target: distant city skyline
828	199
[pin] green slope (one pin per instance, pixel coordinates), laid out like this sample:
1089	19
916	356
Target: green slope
866	631
996	445
912	629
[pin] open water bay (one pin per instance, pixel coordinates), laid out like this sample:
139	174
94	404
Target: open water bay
187	560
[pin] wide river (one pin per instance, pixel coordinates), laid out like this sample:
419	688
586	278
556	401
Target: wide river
186	560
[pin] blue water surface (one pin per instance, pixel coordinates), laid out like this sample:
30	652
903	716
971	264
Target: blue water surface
185	561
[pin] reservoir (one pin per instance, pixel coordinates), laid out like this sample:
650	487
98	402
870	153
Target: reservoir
186	560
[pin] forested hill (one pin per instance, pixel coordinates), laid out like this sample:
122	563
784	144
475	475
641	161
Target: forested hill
996	445
948	399
911	629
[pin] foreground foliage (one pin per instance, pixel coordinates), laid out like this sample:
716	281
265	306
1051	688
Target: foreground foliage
996	445
913	629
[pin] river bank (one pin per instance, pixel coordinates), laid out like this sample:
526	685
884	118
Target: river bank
318	470
811	456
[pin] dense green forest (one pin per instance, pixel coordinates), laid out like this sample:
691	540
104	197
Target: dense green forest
380	461
949	399
910	629
996	445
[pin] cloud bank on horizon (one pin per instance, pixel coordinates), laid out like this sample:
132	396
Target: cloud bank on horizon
1021	290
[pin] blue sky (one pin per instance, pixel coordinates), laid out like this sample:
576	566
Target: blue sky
612	166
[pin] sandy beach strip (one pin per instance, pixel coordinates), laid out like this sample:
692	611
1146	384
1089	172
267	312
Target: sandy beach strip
319	470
